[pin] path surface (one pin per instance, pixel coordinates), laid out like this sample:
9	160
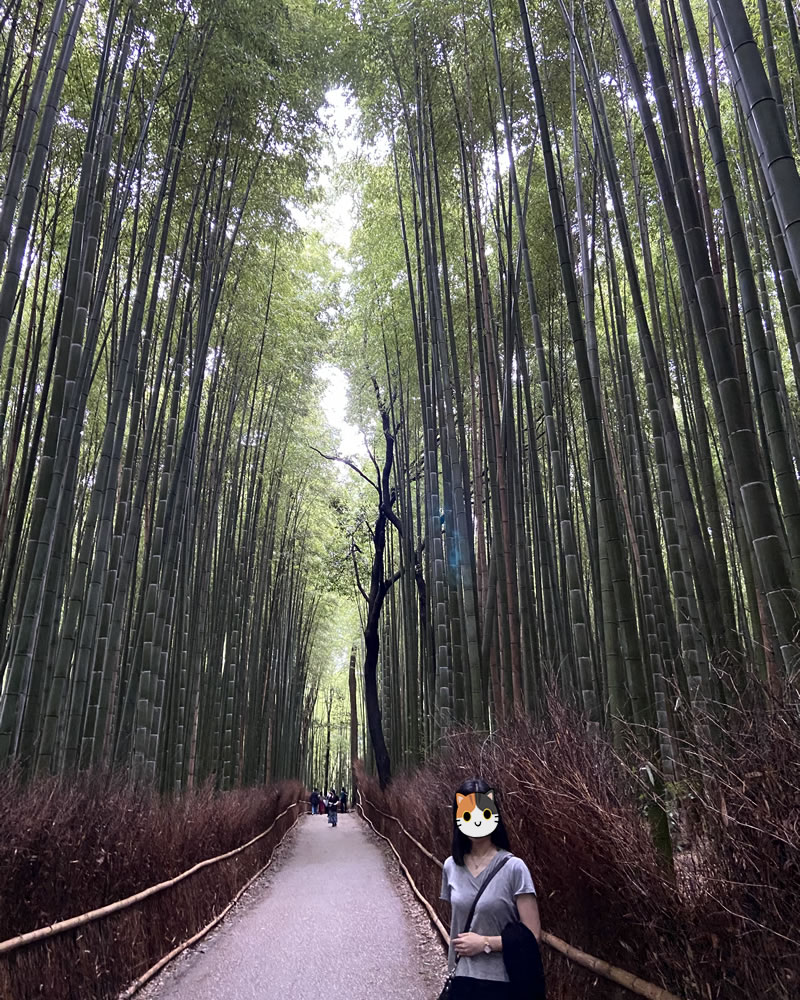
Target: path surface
332	904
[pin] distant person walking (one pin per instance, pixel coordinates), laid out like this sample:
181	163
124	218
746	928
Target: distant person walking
343	800
333	801
314	802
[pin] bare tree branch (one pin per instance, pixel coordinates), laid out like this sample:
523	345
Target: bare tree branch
373	459
395	520
388	584
358	575
348	463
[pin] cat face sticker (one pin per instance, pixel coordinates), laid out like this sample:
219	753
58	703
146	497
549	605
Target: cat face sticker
476	814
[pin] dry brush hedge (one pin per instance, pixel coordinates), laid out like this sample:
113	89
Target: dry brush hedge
69	847
725	928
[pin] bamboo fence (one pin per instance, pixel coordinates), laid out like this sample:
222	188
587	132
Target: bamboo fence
20	940
166	959
631	982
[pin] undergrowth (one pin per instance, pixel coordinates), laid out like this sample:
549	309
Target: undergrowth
723	923
68	846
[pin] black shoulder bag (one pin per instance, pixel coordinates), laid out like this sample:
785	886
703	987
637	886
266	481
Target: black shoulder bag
448	983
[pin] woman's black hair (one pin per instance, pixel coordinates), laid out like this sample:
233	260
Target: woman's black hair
462	844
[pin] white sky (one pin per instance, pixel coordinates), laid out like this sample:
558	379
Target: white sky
334	406
333	217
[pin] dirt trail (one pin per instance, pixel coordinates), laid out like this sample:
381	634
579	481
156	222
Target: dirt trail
330	919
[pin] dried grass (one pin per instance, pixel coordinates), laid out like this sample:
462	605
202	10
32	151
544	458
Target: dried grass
69	846
725	925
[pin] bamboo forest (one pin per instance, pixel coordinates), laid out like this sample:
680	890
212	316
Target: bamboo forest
395	393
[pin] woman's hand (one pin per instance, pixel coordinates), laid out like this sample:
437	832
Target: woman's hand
469	944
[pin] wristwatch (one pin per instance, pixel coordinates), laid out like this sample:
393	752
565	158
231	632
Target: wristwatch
487	947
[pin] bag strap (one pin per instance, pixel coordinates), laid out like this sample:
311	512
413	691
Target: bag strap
478	895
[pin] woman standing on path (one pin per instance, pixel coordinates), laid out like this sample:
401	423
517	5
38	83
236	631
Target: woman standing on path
481	857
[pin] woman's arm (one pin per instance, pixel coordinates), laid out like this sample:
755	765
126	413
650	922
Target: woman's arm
528	910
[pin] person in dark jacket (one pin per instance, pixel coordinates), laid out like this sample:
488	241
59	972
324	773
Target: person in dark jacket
343	800
314	802
332	803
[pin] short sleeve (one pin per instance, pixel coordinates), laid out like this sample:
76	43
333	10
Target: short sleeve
521	880
445	893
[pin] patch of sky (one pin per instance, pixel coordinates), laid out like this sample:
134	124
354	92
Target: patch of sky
211	361
191	12
334	406
65	118
333	216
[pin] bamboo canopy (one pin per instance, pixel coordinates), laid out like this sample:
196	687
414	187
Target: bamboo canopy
563	304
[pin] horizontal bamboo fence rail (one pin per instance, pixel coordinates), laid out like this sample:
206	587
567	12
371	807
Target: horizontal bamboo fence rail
413	839
11	944
612	972
431	912
153	970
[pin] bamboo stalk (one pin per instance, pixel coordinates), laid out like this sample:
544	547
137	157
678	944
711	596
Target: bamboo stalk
166	959
11	944
597	965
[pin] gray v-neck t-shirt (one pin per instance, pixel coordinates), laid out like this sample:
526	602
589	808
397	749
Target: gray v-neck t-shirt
496	907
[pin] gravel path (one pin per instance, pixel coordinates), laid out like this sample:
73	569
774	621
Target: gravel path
332	899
